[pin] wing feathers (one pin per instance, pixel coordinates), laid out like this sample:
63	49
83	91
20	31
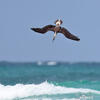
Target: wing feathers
68	34
52	28
44	29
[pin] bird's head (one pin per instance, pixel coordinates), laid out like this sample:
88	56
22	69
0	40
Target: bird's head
58	22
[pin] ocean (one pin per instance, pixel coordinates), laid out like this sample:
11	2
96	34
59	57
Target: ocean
49	81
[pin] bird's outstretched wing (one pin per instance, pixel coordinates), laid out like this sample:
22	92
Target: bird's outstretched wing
68	34
44	29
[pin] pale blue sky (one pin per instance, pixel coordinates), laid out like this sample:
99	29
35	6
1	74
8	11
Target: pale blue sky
19	43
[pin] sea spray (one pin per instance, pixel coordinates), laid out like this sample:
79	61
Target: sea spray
45	88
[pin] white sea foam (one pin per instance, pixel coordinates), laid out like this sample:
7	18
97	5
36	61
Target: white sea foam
57	99
45	88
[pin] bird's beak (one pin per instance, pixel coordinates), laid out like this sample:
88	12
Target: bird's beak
54	36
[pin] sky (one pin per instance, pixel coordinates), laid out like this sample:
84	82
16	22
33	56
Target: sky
18	43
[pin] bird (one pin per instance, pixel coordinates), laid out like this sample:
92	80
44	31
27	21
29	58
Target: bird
56	29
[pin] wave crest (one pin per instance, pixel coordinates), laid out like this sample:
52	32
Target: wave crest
45	88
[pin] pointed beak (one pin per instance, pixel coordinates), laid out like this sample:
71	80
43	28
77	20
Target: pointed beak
54	36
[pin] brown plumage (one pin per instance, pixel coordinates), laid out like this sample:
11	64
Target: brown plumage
44	29
56	29
68	34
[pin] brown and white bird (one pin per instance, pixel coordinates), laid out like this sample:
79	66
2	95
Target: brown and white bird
56	29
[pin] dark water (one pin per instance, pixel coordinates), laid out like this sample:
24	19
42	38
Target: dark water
49	81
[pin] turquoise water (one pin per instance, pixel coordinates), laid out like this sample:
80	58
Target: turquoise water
49	81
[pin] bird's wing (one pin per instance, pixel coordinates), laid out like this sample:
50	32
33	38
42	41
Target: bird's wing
44	29
68	34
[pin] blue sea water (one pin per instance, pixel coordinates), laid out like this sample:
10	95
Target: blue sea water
49	81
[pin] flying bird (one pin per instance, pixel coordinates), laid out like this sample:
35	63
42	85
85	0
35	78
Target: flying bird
56	29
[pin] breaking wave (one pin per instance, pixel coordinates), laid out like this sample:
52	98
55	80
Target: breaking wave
23	91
